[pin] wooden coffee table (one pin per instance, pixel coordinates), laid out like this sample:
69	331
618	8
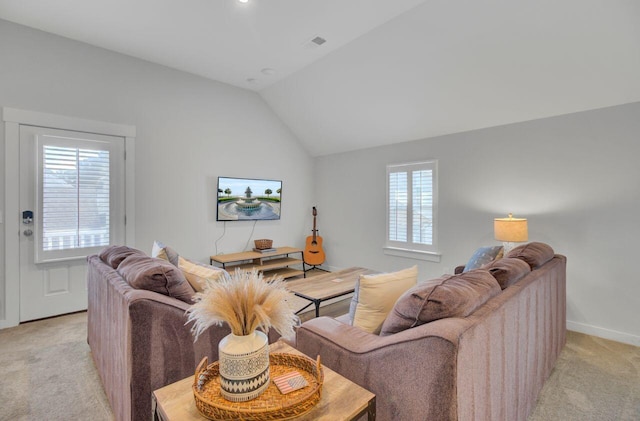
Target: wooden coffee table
341	399
325	287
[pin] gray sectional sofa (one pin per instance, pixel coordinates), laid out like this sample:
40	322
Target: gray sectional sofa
487	365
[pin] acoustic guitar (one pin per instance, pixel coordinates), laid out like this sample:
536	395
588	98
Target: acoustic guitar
313	253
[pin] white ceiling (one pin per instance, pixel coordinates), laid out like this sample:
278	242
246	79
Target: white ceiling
390	71
223	40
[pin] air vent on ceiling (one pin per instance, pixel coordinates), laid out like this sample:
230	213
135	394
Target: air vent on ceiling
314	42
318	40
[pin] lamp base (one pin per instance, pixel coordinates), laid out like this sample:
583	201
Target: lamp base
507	246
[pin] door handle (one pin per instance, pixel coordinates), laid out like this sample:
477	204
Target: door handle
27	233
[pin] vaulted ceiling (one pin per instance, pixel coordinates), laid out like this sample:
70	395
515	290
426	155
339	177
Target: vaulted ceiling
387	71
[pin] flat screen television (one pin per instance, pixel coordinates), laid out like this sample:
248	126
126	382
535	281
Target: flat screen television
248	199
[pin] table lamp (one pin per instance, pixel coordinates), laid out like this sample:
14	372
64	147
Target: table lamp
510	230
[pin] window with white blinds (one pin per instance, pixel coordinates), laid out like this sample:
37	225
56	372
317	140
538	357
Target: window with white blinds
75	198
411	206
79	207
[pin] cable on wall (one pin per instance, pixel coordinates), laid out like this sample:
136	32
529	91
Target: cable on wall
224	230
250	235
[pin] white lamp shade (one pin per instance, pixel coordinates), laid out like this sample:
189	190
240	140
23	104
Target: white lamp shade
510	229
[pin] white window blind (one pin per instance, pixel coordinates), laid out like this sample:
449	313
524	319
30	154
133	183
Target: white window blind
411	211
422	194
75	198
398	195
79	197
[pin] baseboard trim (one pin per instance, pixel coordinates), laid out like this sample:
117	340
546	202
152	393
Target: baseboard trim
601	332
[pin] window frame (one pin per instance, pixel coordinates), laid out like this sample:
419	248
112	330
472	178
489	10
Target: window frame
409	248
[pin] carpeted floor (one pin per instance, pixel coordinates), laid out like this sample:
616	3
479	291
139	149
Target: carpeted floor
46	373
594	379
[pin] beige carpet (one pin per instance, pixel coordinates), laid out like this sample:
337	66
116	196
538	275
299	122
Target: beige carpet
46	373
594	379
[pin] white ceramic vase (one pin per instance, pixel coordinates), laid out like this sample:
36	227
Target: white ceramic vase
244	366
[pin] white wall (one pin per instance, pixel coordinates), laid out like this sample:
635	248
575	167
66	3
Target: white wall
189	131
575	178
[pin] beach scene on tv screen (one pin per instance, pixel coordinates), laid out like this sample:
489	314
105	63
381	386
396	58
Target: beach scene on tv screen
248	199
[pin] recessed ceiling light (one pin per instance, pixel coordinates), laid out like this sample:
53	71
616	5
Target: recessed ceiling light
243	1
268	71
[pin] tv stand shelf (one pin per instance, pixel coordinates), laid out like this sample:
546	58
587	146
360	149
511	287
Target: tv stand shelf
272	263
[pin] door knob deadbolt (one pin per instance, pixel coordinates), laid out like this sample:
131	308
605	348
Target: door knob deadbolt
27	217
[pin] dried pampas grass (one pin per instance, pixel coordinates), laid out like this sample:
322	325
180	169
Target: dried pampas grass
245	301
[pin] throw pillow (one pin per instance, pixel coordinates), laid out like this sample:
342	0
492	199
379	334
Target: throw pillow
376	295
482	256
535	254
447	296
157	275
160	251
508	271
198	274
114	255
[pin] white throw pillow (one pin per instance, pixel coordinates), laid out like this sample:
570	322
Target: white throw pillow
160	251
198	274
375	296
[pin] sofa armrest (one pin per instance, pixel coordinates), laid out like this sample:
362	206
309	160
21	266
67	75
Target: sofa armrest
412	372
162	348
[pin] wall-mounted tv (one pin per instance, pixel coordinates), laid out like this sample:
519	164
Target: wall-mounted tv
248	199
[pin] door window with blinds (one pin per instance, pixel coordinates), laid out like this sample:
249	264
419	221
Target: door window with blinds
78	188
412	206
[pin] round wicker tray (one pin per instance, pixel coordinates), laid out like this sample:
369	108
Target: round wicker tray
271	405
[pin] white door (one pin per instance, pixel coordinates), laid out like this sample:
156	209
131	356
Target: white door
72	204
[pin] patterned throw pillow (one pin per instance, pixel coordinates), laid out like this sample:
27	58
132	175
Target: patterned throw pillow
482	256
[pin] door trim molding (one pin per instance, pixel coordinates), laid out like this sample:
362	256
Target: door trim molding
13	118
54	121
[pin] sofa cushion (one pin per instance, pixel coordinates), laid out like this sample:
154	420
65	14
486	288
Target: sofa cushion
482	256
375	295
508	271
161	251
114	255
198	274
448	296
535	254
157	275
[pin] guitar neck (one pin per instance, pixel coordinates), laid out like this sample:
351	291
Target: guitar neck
314	230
